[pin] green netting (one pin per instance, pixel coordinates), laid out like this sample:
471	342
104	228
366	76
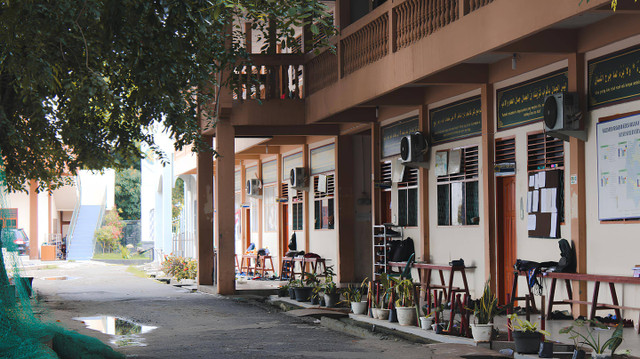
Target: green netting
22	334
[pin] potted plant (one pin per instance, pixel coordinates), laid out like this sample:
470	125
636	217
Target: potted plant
283	290
427	319
405	304
484	311
526	335
316	293
353	294
331	291
304	288
592	341
386	289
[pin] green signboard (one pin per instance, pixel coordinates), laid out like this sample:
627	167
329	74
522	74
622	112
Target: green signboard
455	121
614	77
523	103
392	135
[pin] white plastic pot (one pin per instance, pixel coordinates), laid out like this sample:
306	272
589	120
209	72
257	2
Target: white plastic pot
383	314
481	332
359	307
406	315
425	323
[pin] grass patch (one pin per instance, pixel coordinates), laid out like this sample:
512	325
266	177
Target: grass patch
48	266
137	272
118	256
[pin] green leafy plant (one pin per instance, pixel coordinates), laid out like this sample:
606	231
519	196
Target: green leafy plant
124	251
354	293
330	287
296	283
180	267
589	339
108	236
387	285
486	307
404	289
524	325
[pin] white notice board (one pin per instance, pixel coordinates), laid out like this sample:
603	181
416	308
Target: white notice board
618	144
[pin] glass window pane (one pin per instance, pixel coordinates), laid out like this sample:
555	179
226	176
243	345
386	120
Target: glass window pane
402	207
473	214
331	218
457	203
443	205
317	214
412	207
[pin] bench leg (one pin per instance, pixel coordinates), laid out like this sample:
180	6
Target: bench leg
614	298
514	288
552	294
594	302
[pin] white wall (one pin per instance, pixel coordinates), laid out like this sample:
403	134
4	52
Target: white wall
612	248
95	186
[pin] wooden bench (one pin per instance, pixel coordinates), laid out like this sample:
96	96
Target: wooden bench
594	302
446	286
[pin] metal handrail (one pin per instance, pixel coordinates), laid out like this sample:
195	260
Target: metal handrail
76	210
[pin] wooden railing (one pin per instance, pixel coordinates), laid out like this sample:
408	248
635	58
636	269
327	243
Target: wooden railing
270	77
322	71
416	19
366	45
364	42
476	4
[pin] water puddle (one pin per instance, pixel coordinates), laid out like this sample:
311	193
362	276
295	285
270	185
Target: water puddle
125	332
62	277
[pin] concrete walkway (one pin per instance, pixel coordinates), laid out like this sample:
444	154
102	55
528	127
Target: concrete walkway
198	325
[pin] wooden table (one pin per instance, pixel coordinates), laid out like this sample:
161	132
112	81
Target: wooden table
447	287
595	304
247	266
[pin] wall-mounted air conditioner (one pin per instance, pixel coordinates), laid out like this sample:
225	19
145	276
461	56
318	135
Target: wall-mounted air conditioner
413	150
298	179
562	117
254	187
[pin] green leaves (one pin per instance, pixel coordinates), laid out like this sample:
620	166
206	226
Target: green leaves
82	82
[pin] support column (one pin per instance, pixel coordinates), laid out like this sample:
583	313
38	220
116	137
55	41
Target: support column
244	228
260	210
345	208
576	83
306	197
33	220
488	184
204	230
423	194
376	210
224	205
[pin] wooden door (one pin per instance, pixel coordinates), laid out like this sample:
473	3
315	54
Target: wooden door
285	229
506	213
247	229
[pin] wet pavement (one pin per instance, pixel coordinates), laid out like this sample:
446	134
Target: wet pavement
198	325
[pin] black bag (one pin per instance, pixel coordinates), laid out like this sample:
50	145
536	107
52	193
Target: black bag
404	251
567	262
292	242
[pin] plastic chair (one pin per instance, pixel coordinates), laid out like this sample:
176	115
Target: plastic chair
406	273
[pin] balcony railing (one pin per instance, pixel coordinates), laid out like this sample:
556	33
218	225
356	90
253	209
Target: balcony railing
367	45
387	29
417	19
270	77
410	21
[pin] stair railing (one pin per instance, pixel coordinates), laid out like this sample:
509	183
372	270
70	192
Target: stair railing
74	216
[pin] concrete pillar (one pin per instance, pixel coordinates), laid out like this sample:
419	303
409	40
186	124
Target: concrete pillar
33	220
578	212
345	208
224	205
488	185
204	230
423	194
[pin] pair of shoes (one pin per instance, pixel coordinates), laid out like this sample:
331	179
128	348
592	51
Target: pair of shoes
392	233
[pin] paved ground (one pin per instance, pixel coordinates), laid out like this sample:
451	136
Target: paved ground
197	325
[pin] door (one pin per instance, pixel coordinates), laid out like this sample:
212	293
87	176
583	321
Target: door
247	229
506	219
285	229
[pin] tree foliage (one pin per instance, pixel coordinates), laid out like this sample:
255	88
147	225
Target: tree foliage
108	236
81	81
127	193
177	199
